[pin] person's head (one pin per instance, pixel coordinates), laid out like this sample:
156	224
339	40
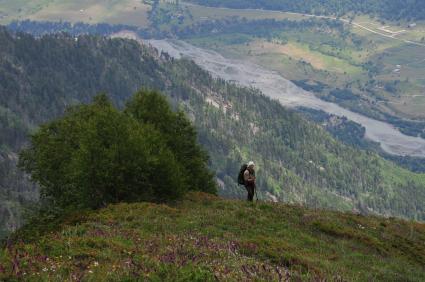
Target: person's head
251	165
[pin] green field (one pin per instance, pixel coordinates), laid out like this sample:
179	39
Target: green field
203	13
130	12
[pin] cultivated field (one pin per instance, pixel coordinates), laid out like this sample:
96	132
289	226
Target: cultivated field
130	12
204	13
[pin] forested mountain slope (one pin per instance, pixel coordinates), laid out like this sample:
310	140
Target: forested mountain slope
388	9
297	160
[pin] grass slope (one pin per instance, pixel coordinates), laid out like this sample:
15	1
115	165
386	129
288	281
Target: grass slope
204	238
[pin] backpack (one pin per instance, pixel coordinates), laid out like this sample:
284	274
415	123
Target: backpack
241	180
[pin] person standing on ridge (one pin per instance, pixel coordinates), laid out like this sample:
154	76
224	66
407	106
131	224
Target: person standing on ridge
249	180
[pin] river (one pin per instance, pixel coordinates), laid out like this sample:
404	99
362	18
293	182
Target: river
288	94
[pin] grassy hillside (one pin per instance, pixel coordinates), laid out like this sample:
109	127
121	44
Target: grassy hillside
204	238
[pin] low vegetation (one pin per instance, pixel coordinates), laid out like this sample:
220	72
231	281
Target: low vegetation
204	238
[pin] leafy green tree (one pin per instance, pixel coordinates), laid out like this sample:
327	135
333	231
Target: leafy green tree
97	155
152	108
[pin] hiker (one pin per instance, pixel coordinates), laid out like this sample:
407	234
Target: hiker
249	180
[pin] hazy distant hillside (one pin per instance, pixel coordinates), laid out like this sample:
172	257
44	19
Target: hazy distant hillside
388	9
297	160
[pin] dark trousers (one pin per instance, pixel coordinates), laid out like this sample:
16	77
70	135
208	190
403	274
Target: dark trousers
250	188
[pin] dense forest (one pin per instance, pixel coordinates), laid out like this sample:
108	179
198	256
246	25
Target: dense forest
297	160
353	134
387	9
38	28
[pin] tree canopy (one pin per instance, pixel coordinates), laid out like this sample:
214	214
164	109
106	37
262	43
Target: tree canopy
96	154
